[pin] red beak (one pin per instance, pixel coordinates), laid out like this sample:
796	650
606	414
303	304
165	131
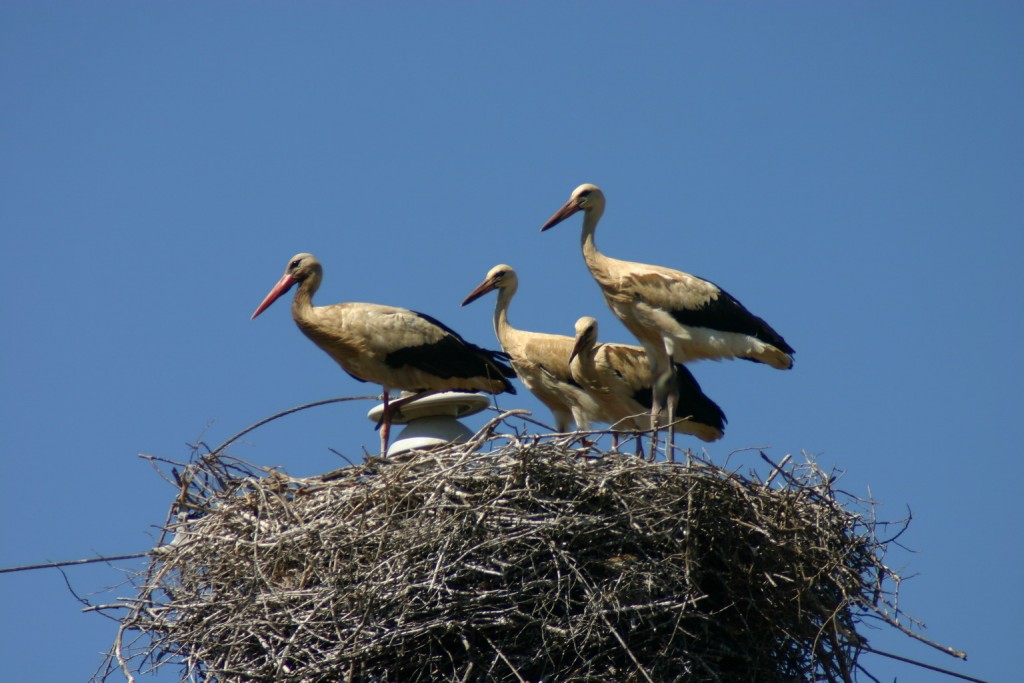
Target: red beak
282	286
480	290
568	209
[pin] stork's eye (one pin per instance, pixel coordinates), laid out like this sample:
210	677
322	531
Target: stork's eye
294	264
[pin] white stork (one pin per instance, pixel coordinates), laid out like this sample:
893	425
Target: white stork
541	360
394	347
675	315
619	377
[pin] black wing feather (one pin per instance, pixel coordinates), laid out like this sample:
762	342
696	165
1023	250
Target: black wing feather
453	356
727	314
692	400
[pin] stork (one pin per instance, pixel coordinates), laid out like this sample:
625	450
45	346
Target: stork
541	360
394	347
619	377
675	315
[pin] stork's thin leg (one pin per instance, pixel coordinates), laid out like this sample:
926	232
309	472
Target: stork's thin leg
656	407
655	415
385	424
670	444
663	393
671	398
390	408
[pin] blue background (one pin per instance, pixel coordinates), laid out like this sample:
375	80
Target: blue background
852	172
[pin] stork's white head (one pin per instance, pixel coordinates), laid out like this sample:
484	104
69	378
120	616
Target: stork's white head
587	198
501	277
301	268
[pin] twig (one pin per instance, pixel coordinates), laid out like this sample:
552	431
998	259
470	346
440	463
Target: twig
923	665
776	468
510	665
952	652
296	409
68	563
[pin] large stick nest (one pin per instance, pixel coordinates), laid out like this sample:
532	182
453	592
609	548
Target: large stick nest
537	560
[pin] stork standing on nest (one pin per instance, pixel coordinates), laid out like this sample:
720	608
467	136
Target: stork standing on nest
394	347
619	378
541	360
676	316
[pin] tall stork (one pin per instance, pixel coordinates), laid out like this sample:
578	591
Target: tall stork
675	315
541	360
394	347
619	377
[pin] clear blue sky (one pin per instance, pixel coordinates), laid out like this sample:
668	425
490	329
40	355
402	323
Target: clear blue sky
852	172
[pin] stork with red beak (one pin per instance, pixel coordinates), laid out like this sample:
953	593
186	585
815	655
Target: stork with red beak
676	316
394	347
541	360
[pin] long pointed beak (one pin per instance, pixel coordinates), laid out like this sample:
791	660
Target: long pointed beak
577	347
568	209
481	289
588	337
282	286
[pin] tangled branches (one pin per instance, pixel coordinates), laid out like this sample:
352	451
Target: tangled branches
536	560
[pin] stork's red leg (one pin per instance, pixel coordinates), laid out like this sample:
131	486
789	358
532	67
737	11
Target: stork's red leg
385	425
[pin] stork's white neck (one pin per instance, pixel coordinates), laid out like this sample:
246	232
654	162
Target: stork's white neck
591	255
302	304
502	328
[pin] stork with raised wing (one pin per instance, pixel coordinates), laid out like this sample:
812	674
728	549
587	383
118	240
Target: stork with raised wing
619	378
394	347
675	315
541	360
